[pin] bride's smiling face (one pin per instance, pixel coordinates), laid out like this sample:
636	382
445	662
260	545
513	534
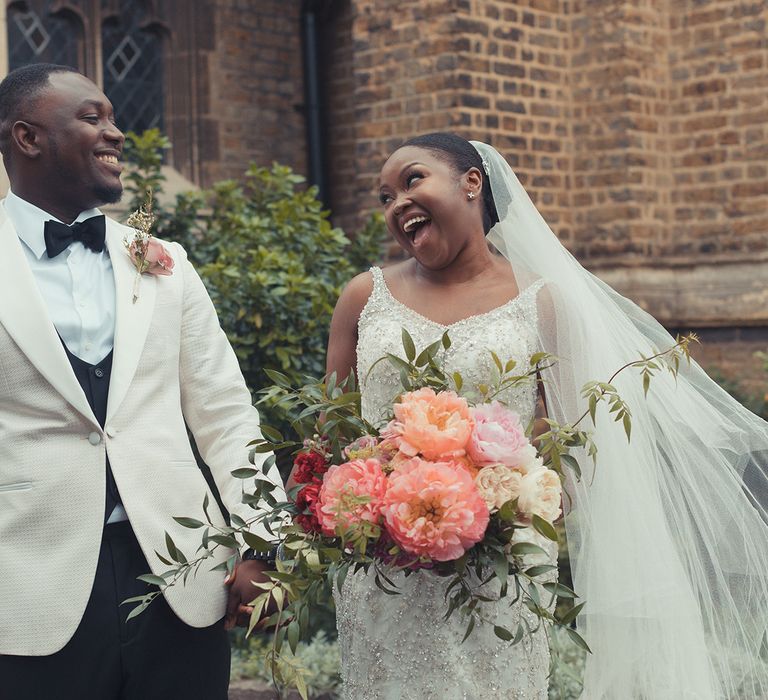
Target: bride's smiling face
427	208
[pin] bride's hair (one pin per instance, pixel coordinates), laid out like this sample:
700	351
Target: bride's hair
462	156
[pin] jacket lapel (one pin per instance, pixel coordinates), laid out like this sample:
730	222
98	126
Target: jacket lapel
24	315
132	321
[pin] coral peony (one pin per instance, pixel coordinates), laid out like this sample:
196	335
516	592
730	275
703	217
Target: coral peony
497	484
351	492
435	425
499	437
540	494
433	509
306	501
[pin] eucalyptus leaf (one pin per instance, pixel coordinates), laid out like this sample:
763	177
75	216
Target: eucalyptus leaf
152	579
544	528
245	472
408	346
191	523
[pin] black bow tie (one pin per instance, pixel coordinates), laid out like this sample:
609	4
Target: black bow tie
89	232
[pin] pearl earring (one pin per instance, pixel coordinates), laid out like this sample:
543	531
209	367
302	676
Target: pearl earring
470	196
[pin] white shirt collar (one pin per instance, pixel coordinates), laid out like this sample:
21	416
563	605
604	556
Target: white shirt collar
29	221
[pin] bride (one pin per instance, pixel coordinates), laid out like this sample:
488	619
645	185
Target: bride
667	533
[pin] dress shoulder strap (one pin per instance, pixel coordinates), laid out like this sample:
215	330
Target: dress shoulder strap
379	286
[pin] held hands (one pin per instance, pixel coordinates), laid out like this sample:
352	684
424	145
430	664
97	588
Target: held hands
242	592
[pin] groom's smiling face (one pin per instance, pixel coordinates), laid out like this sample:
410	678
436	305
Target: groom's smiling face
78	144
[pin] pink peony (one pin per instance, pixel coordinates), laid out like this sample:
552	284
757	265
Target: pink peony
433	509
157	260
437	426
362	448
540	494
351	492
499	437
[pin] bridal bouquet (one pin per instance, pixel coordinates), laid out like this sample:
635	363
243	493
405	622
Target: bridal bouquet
442	477
451	483
430	483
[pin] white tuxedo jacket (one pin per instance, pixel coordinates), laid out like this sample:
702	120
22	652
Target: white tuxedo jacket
172	363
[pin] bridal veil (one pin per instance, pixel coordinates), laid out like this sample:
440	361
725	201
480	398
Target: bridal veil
668	532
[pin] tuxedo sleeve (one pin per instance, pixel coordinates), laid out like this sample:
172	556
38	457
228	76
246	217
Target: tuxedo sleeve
215	401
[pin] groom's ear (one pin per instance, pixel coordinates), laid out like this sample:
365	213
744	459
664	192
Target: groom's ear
25	137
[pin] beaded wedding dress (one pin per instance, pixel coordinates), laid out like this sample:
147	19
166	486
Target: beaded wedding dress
398	647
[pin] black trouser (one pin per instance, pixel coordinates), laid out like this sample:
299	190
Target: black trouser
153	656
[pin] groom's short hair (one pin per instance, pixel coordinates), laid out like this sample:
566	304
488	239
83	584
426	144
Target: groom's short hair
18	89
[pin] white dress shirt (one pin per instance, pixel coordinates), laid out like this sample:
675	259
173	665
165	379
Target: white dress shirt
78	287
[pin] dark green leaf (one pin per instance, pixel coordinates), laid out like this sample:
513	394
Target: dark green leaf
191	523
470	627
408	346
255	542
522	548
572	614
245	472
271	434
152	579
577	638
544	528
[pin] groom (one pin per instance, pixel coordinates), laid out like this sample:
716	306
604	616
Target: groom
96	391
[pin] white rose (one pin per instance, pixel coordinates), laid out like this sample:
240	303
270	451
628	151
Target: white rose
497	484
540	494
530	460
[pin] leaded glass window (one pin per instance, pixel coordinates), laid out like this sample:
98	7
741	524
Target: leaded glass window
39	34
133	68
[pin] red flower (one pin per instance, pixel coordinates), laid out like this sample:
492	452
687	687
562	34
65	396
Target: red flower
306	501
307	466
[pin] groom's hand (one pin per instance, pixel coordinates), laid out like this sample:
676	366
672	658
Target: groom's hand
242	592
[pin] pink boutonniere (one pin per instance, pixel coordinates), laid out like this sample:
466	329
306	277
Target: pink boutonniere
147	254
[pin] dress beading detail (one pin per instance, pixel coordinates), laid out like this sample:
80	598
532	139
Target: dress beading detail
398	647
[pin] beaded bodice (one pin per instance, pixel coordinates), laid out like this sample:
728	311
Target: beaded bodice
399	647
508	330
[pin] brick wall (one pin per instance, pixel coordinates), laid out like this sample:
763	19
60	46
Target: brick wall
488	70
637	126
718	100
255	87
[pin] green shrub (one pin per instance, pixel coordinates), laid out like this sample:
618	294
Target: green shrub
318	662
269	256
755	403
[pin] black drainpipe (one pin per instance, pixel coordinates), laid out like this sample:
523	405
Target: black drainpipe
312	106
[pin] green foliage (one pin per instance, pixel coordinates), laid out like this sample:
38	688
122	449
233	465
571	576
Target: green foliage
756	403
271	260
319	661
145	153
567	670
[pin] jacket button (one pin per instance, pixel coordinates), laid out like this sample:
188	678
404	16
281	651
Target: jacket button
94	438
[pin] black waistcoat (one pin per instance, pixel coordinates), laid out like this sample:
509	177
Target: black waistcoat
94	379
